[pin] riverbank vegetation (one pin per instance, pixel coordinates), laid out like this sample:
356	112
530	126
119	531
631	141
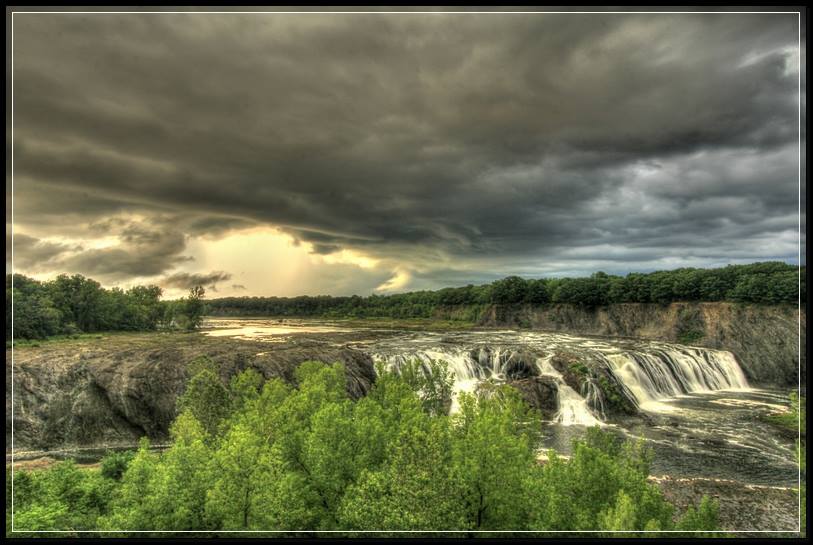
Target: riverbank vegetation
266	456
69	305
759	283
73	305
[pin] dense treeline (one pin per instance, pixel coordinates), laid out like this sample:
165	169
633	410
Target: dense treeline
763	283
263	455
74	304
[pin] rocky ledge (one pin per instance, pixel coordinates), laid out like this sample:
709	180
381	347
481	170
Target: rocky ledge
118	388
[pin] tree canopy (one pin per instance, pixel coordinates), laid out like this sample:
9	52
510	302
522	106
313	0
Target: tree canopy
69	305
263	455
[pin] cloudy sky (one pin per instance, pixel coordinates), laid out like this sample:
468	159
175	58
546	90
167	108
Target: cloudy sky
285	154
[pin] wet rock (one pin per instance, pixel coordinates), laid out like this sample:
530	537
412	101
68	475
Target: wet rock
521	365
512	364
573	368
541	393
581	372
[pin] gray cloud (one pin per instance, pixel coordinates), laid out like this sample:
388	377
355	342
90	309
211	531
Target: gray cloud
143	249
443	144
186	281
34	254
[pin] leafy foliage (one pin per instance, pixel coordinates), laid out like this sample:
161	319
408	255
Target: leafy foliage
206	400
68	305
63	497
263	455
431	380
114	464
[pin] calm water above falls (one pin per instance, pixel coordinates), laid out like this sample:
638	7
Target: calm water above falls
703	416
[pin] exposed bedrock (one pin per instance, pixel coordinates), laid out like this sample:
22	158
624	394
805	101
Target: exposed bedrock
541	392
580	372
111	393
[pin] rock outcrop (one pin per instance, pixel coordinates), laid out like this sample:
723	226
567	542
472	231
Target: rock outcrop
114	393
541	392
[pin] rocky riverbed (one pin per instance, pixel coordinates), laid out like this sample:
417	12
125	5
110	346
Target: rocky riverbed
743	507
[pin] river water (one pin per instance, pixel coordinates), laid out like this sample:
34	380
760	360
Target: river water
701	417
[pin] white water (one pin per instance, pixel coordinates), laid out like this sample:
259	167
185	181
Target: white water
573	408
669	372
467	373
713	429
650	375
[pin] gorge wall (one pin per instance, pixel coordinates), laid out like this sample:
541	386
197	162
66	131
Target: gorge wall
764	339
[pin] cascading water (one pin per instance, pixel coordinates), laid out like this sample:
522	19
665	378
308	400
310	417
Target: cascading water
467	373
573	408
469	367
594	397
646	374
714	427
667	372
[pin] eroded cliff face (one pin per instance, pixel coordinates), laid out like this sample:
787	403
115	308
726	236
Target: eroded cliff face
114	392
764	339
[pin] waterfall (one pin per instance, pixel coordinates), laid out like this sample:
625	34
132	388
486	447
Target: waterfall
469	367
647	375
573	408
595	398
667	372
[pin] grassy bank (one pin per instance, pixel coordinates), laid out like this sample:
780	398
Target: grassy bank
91	338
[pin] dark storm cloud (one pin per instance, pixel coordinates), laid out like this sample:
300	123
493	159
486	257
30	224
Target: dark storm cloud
30	253
141	249
444	143
186	281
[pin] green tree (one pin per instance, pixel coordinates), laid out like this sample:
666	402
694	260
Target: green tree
415	490
510	290
431	380
492	452
244	388
114	464
130	509
207	400
704	517
179	485
303	458
583	492
194	307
